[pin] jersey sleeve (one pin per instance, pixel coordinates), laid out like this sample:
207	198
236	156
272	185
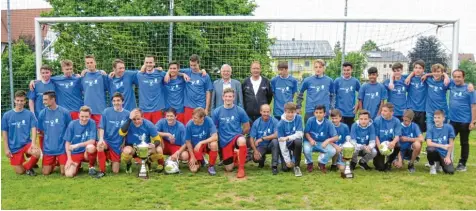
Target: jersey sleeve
92	128
295	86
451	132
372	133
69	133
32	94
429	133
416	129
243	116
103	121
41	118
188	135
331	130
5	122
254	128
304	86
331	85
398	128
152	130
357	85
361	92
299	124
308	126
209	84
353	131
280	129
212	126
385	93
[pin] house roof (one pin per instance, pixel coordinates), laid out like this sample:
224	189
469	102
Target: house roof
386	56
301	48
466	56
22	23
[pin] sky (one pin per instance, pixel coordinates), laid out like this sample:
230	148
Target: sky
398	36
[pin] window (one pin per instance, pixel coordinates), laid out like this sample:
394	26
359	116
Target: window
384	65
307	64
290	65
390	65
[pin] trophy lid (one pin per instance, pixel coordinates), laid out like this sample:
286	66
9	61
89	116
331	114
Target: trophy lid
143	143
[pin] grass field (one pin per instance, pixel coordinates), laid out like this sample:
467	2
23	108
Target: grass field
259	190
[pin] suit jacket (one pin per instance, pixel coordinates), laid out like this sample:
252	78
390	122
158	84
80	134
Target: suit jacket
217	93
252	102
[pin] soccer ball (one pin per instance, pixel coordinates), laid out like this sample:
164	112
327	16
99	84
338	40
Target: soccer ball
384	150
171	167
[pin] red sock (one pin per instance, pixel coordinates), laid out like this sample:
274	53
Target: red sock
161	161
92	159
213	157
242	156
28	165
102	161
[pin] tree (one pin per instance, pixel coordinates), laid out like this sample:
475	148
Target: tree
469	69
337	47
23	65
358	60
234	43
369	45
430	50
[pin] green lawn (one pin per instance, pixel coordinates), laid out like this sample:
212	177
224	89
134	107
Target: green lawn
260	190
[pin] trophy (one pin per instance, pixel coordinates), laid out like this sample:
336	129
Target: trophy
142	151
348	149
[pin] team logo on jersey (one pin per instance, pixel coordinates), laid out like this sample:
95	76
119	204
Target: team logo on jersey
174	87
373	95
90	83
400	90
52	122
118	85
19	124
197	82
348	89
317	88
67	85
457	94
228	119
386	132
200	135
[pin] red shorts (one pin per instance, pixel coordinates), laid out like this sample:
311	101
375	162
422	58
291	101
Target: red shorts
19	157
228	150
74	115
154	117
187	114
96	118
181	118
78	158
170	149
203	149
50	160
112	155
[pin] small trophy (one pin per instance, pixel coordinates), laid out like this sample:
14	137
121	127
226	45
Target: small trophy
142	151
348	150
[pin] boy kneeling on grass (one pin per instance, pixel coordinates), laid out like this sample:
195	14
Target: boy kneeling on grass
440	141
410	141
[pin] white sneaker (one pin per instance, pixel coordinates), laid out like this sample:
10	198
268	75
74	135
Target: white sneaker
297	171
433	169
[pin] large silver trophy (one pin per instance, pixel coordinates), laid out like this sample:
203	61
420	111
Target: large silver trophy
142	151
348	149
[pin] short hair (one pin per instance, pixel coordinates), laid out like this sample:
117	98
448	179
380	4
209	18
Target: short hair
320	61
364	112
283	65
290	106
372	70
116	61
320	107
174	63
50	94
195	58
46	67
199	111
228	90
347	64
85	108
388	105
438	66
409	114
119	95
459	70
20	93
261	107
419	62
336	113
171	110
66	63
226	65
90	56
139	110
397	65
255	62
439	112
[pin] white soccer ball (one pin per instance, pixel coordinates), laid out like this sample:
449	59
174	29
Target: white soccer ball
171	166
384	150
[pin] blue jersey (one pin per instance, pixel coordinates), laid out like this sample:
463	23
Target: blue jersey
111	122
436	96
124	85
77	133
175	94
134	133
318	92
387	130
371	96
362	135
177	130
417	94
263	128
18	125
151	87
95	86
342	132
319	132
228	122
37	94
441	135
69	92
460	103
345	95
397	96
287	128
196	89
196	133
410	131
53	123
283	90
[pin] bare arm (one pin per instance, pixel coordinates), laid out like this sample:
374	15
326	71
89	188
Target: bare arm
246	128
432	144
5	144
31	104
380	107
209	96
101	134
310	139
33	137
